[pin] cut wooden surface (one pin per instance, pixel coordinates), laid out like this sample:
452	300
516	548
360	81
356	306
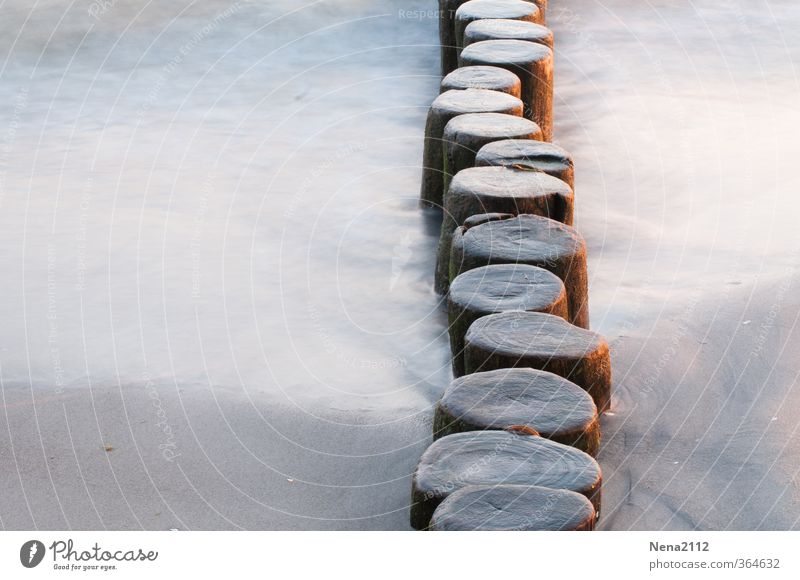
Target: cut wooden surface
538	155
499	288
545	342
444	108
490	78
476	10
481	190
464	135
505	189
532	63
554	407
505	29
527	239
498	457
514	508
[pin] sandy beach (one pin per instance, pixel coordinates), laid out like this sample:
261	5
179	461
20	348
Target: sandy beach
682	120
217	305
217	309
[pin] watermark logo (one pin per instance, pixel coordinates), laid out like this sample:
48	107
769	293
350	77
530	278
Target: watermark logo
31	553
402	254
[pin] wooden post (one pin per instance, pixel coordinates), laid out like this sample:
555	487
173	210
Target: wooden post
498	457
490	78
475	10
542	4
538	155
499	288
505	29
552	406
520	508
480	190
447	106
447	35
464	135
527	239
544	342
532	63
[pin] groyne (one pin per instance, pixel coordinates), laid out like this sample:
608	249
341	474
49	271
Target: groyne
517	431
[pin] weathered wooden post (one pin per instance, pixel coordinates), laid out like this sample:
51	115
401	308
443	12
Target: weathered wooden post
490	78
476	10
544	342
548	404
464	136
520	508
447	35
504	29
447	106
499	288
538	155
532	63
498	457
526	239
542	4
479	190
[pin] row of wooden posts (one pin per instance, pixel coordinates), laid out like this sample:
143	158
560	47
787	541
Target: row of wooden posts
516	432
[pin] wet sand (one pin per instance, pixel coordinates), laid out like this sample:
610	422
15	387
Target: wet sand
682	119
216	305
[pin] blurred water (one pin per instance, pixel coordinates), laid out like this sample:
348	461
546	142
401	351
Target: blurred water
222	192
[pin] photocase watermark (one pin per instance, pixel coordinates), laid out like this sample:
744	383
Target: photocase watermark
537	516
570	21
197	234
339	155
31	553
67	557
52	321
183	52
673	346
330	346
99	7
168	446
421	14
400	257
766	325
82	236
20	104
465	476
